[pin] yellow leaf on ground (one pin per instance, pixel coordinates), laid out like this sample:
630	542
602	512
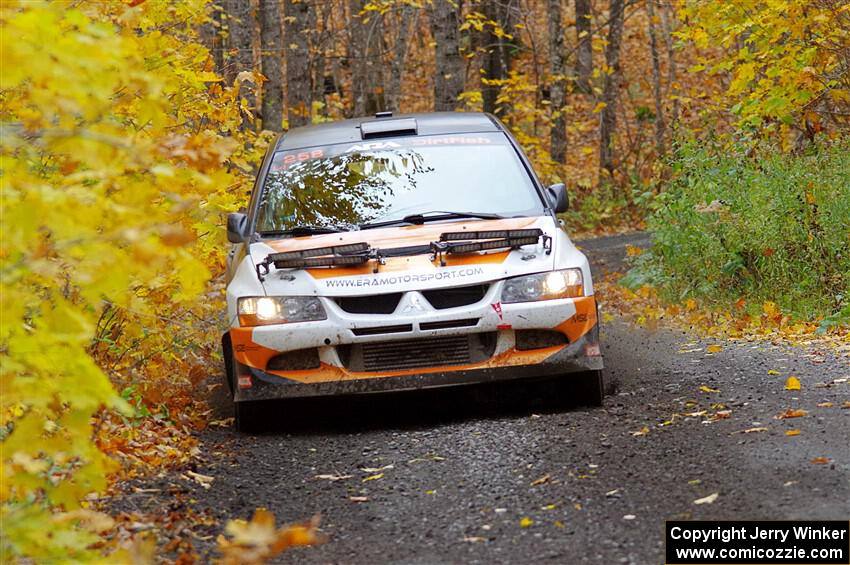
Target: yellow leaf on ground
791	413
373	477
526	522
754	430
714	349
792	432
542	480
708	499
707	389
820	460
793	383
599	107
772	372
641	432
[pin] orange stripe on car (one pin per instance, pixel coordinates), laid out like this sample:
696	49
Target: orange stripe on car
582	321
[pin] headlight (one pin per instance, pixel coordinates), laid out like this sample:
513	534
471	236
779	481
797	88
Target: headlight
544	286
265	310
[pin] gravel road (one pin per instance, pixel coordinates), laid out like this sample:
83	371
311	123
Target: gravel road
497	476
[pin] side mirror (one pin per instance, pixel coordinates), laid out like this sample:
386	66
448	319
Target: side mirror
236	224
558	197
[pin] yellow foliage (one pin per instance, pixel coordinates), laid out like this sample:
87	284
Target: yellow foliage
117	148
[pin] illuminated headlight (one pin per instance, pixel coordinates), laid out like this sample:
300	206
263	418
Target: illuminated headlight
265	310
544	286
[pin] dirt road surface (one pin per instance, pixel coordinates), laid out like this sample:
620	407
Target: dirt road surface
496	476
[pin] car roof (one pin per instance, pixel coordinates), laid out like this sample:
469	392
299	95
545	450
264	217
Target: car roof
347	131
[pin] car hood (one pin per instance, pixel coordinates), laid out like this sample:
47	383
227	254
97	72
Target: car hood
402	274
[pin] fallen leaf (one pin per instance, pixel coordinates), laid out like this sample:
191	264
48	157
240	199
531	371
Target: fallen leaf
548	507
754	430
790	413
708	499
358	498
722	415
824	404
641	432
629	517
820	460
376	469
333	477
793	383
474	539
707	389
792	432
203	480
542	480
373	477
612	493
223	423
525	522
714	349
772	372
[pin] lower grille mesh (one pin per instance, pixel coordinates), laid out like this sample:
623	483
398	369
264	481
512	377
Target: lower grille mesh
418	353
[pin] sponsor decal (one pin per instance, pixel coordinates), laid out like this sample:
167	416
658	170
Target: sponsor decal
390	280
498	308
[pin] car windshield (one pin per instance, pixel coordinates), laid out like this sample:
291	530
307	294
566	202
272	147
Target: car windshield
346	185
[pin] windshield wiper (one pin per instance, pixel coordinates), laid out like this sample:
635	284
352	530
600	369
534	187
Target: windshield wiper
419	219
302	230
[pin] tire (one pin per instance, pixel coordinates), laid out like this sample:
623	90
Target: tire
248	416
227	356
589	388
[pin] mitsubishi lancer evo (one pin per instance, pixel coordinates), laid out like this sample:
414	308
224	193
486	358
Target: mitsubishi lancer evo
399	253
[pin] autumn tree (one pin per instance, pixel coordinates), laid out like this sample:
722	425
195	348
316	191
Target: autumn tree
300	20
241	26
450	70
584	41
610	92
271	62
557	88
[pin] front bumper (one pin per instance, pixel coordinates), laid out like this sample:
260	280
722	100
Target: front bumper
576	319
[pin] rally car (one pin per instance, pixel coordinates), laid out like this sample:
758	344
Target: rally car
403	252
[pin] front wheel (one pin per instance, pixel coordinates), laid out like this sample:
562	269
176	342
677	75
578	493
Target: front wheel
589	388
248	416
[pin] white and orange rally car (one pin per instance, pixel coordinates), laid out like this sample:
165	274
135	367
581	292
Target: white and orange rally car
403	252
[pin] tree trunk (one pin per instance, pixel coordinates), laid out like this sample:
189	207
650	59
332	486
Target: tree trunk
671	61
271	59
397	70
498	51
584	39
241	25
366	65
557	88
449	70
211	37
608	116
299	20
656	79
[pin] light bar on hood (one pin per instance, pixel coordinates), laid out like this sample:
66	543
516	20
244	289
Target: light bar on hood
330	261
473	246
337	250
492	234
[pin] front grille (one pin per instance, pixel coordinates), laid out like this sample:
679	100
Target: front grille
418	353
442	298
372	304
298	360
401	328
465	323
